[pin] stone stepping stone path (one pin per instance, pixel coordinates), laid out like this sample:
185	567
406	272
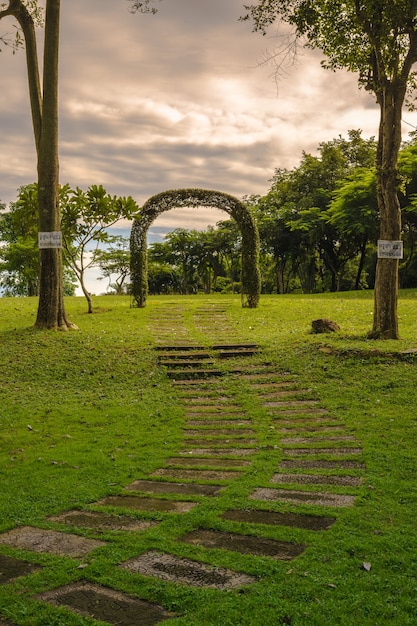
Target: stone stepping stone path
246	544
101	521
11	568
319	471
52	541
187	571
105	604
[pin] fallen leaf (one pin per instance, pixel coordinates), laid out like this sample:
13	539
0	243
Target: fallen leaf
366	566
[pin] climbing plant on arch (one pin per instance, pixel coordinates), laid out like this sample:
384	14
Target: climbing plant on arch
177	198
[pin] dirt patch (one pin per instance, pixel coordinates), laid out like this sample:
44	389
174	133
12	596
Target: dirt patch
101	521
194	474
147	504
321	464
317	479
39	540
11	568
184	462
303	497
246	544
175	569
149	486
329	451
273	518
107	605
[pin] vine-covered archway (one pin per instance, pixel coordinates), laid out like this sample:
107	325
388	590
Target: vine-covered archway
177	198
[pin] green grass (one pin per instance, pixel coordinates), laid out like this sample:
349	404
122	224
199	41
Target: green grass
83	414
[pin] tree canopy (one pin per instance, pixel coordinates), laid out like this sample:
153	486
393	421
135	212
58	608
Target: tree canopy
377	39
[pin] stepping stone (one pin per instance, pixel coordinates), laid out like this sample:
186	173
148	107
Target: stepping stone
39	540
230	354
246	544
219	451
184	462
193	400
273	518
214	422
291	440
300	413
317	479
313	429
194	374
175	569
183	489
197	474
147	504
266	386
290	403
179	347
265	376
11	568
219	442
106	605
321	464
275	395
236	346
186	356
303	497
307	423
193	384
186	363
330	451
101	521
233	432
213	409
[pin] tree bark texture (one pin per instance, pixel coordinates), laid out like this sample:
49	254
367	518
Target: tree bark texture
385	324
51	311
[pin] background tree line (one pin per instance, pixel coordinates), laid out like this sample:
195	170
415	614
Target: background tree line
318	226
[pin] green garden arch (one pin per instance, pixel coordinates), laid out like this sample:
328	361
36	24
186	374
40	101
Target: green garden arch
177	198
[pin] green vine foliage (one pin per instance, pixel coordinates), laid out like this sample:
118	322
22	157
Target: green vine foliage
177	198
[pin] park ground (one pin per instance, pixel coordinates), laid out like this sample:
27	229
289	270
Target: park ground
85	414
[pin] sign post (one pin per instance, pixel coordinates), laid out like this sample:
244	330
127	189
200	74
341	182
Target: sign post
390	249
50	240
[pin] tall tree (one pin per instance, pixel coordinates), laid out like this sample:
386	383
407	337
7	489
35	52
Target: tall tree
44	107
377	39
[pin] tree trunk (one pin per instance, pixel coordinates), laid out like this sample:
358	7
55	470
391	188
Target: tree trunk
51	312
385	323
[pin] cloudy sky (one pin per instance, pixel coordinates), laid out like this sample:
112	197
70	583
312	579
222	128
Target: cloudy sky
178	99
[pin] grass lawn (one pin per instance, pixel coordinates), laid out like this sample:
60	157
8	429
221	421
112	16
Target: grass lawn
85	413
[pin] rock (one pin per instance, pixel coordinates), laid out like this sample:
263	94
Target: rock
324	325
